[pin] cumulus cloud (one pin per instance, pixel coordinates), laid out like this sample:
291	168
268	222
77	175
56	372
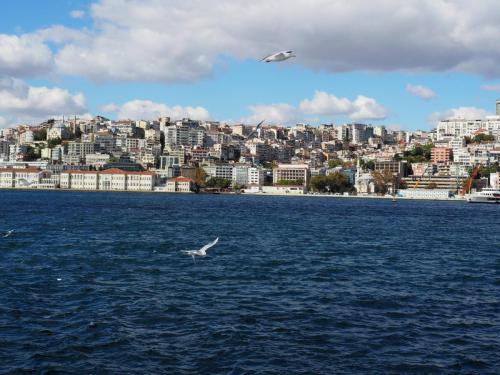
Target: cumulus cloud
77	13
149	41
491	87
149	110
24	56
279	113
362	108
321	104
468	113
420	91
20	102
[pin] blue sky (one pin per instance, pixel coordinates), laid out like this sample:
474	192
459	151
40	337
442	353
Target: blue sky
224	77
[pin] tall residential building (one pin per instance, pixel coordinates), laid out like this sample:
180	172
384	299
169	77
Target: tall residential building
441	155
498	107
453	128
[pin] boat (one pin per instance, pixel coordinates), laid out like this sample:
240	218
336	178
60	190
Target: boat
487	195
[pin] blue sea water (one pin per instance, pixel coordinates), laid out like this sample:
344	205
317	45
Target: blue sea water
94	283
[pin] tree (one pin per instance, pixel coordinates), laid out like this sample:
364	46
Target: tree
40	134
332	163
290	182
480	138
383	179
333	183
51	143
31	154
218	182
367	164
200	176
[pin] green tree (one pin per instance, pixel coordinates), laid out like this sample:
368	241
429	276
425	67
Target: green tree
333	183
290	182
218	182
481	138
367	164
332	163
40	134
51	143
31	154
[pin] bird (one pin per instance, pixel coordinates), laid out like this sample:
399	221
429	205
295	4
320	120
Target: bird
279	56
202	252
256	129
9	232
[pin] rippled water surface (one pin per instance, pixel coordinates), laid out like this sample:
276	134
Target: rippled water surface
95	283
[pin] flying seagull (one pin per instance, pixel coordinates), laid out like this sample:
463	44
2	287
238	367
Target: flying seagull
279	56
9	232
256	129
202	252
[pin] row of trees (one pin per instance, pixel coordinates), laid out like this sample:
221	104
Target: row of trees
333	183
480	138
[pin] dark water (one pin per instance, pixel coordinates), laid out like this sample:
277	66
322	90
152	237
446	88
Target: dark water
295	285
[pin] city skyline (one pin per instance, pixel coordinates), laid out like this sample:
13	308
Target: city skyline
142	60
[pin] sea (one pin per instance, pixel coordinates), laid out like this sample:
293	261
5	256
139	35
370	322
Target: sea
96	283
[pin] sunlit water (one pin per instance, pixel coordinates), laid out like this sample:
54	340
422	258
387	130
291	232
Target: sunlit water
95	283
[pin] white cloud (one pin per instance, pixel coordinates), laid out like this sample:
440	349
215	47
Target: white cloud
148	110
279	113
3	122
321	104
491	87
77	14
469	113
420	91
21	102
362	108
23	56
149	41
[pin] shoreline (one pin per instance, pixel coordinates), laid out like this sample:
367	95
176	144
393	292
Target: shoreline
395	199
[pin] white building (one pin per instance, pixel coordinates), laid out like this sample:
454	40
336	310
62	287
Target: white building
26	137
96	160
255	176
219	170
495	180
108	180
57	131
180	185
462	127
22	177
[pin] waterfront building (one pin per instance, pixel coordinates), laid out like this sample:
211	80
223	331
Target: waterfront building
107	180
180	184
255	176
395	167
495	180
220	171
291	172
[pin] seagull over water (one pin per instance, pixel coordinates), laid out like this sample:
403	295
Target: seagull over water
9	232
279	56
202	252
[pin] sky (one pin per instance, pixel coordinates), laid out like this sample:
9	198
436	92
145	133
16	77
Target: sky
405	65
